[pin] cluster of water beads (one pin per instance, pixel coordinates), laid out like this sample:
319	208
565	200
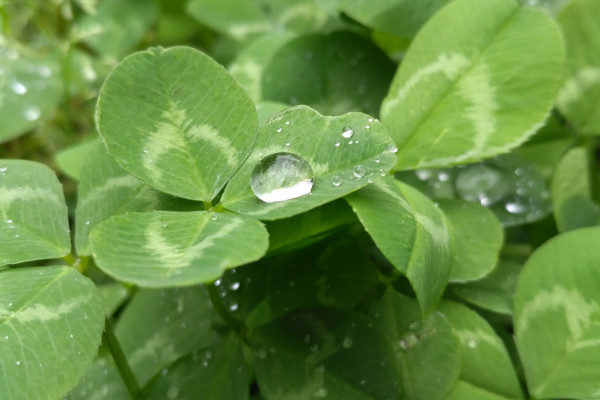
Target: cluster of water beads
514	190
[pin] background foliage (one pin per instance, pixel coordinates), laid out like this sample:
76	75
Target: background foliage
443	247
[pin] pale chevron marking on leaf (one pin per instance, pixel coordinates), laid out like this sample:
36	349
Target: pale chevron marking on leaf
209	134
583	79
241	31
168	136
578	312
586	343
41	312
252	71
155	345
466	337
175	258
126	181
306	11
476	88
448	64
8	196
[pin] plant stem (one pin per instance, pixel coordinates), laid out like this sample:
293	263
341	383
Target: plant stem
120	360
220	308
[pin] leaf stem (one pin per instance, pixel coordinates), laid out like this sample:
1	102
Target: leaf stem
220	308
120	360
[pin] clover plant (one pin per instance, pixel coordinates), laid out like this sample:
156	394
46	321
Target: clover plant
300	199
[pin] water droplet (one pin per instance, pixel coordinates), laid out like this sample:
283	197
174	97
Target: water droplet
350	141
18	87
31	113
234	286
370	119
3	169
392	149
214	217
337	144
165	225
413	326
71	336
347	132
377	160
347	342
322	392
482	183
367	126
233	307
359	171
279	130
18	362
336	181
164	372
515	207
44	71
87	222
280	177
472	343
287	122
9	221
288	144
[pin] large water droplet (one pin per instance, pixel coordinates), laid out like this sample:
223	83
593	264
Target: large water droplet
347	132
359	171
280	177
482	183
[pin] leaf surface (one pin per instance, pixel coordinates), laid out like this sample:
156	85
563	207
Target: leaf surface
33	213
411	232
557	293
339	164
477	92
165	249
51	319
176	120
478	237
327	352
579	98
486	363
427	349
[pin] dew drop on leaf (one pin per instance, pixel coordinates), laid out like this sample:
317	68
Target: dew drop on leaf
347	132
281	177
31	113
359	171
336	181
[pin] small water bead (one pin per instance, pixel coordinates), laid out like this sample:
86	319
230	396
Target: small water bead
287	122
337	144
233	307
472	343
515	207
350	141
336	181
279	130
392	149
347	132
280	177
234	286
347	342
18	87
321	392
359	171
31	113
288	144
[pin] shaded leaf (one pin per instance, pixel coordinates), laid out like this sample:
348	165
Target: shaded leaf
51	319
327	352
411	232
478	92
71	159
486	363
427	349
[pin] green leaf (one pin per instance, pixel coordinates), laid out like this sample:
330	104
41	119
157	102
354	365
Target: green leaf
494	292
477	92
572	191
463	391
486	363
557	316
333	73
324	353
397	18
71	159
579	98
101	380
159	326
164	113
477	237
30	89
331	273
118	26
202	375
427	349
51	319
249	64
340	163
165	249
320	220
242	19
33	214
411	232
106	190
